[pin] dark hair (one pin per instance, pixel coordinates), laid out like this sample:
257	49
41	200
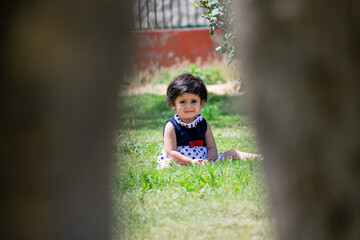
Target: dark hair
186	83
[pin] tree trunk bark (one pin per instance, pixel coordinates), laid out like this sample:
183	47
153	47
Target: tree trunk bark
62	62
301	61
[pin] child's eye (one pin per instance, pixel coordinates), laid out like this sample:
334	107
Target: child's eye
182	102
194	101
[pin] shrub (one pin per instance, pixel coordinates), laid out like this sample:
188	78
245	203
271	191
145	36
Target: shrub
218	13
208	75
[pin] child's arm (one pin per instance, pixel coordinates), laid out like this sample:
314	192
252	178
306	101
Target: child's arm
210	145
171	146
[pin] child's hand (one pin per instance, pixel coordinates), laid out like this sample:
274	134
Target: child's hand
210	160
197	161
203	161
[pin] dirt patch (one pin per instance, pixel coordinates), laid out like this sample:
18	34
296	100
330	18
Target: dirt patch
230	88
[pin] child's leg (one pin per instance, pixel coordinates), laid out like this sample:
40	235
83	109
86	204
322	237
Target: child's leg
234	154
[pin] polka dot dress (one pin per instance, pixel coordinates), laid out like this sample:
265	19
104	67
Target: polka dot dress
195	152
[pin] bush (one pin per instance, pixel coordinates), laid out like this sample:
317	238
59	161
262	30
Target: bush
208	75
218	13
212	74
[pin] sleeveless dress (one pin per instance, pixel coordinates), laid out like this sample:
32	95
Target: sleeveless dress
190	138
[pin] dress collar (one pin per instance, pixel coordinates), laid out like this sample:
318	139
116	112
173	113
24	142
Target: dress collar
198	118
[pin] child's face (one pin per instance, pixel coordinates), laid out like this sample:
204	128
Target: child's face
187	106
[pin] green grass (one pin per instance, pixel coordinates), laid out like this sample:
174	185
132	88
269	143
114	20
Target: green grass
216	201
215	73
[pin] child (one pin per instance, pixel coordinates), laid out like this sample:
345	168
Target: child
188	138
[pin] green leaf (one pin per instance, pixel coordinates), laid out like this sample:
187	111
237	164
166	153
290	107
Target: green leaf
220	14
215	12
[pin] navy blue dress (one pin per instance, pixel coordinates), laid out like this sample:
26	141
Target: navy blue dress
190	138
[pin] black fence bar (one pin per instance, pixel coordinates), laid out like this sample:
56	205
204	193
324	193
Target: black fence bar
196	16
147	13
174	14
139	13
163	13
155	13
171	13
179	12
187	13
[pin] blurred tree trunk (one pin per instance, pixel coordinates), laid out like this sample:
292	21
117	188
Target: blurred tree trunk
61	65
302	65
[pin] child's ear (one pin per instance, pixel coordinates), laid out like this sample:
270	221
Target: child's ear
202	103
172	106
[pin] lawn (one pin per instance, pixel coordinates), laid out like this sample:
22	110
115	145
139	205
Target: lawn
217	201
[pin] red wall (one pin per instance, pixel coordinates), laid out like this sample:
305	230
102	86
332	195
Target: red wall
166	46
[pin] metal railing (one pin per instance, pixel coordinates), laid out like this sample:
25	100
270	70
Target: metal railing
161	14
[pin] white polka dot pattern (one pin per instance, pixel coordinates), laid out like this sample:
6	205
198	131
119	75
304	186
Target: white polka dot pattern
193	153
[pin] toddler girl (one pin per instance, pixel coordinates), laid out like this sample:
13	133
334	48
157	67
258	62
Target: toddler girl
188	138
